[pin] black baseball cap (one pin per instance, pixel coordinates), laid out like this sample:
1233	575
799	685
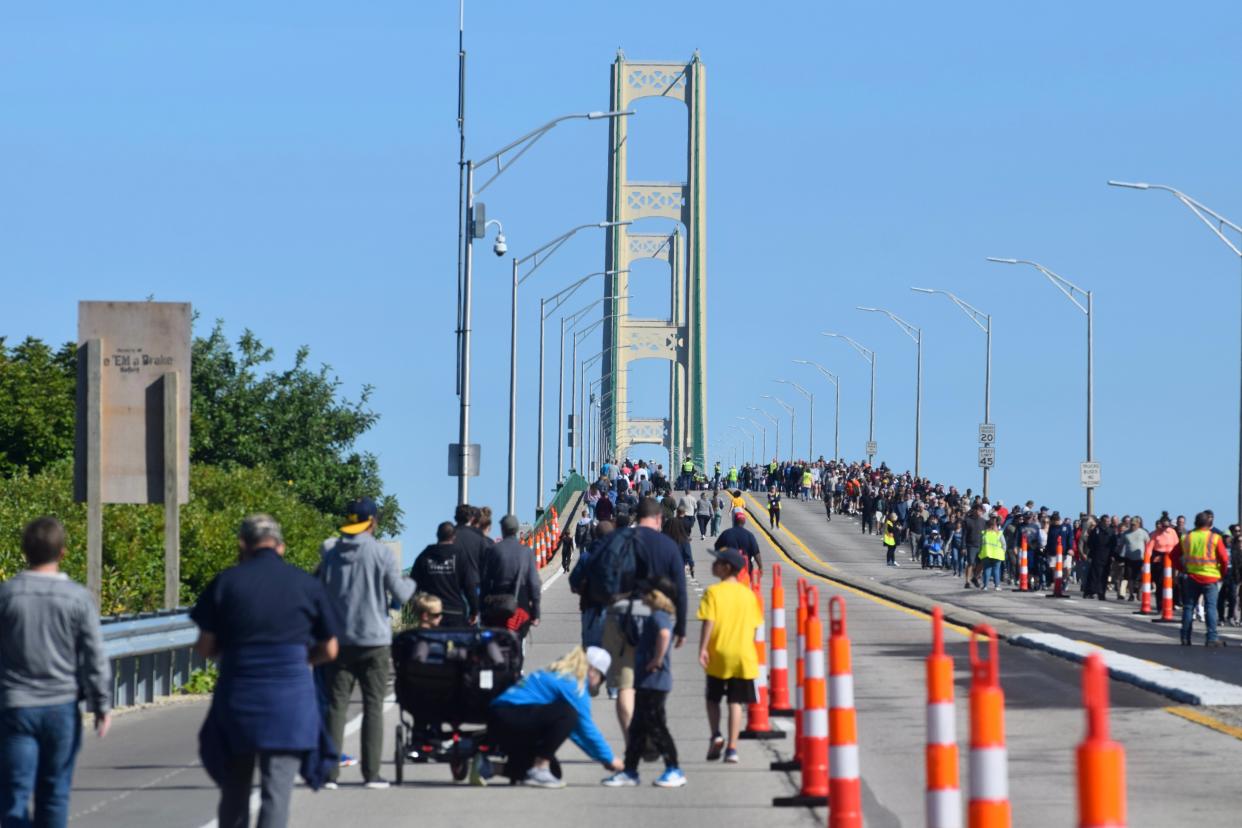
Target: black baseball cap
732	557
358	515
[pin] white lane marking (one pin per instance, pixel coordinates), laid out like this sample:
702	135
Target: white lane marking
552	580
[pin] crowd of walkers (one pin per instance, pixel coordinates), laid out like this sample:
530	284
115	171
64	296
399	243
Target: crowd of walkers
938	527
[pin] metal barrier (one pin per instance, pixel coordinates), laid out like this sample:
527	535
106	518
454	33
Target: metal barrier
152	654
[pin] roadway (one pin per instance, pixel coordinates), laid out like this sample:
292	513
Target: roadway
146	772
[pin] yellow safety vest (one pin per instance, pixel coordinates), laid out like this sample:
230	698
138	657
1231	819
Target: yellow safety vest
807	479
687	466
993	547
1199	554
889	540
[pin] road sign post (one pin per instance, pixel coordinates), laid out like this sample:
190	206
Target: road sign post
872	450
987	457
1089	474
987	434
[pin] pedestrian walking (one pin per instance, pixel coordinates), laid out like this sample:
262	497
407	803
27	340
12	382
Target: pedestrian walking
774	508
992	554
890	540
509	583
703	513
362	578
1203	557
730	616
653	682
263	621
444	570
51	655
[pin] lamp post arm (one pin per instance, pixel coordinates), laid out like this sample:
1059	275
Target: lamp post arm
866	353
542	254
521	145
911	331
1204	212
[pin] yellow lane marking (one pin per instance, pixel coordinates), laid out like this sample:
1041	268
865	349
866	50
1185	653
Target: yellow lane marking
1199	717
837	584
792	536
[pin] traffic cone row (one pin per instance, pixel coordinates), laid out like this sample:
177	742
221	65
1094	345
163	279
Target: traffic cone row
778	698
814	763
758	726
795	763
844	781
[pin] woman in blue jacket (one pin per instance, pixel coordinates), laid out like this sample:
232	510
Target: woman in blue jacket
532	719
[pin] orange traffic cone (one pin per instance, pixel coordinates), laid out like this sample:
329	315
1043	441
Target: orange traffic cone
944	798
795	763
779	676
814	790
1101	761
1024	582
1166	593
844	782
989	760
1058	585
1145	594
758	726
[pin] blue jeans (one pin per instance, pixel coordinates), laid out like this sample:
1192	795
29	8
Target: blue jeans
1190	598
593	626
991	569
38	746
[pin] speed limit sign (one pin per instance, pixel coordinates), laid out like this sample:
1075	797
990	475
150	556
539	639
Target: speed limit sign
987	434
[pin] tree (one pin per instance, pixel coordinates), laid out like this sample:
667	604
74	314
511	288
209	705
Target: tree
36	405
294	423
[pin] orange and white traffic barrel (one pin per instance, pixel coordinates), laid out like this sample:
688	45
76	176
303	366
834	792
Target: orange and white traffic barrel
1145	592
814	789
944	797
795	763
844	781
1101	761
779	704
989	759
1024	582
1166	592
758	726
1058	585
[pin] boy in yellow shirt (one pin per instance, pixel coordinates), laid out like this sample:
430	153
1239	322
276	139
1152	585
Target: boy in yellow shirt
730	615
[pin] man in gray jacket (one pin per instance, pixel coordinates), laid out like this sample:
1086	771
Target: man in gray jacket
362	578
51	654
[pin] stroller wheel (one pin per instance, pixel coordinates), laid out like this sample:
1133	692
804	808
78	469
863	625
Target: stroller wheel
399	756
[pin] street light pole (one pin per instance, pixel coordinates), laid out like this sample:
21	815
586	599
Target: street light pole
836	419
536	259
984	322
1217	224
789	409
870	356
476	226
1069	289
810	447
917	335
556	300
776	422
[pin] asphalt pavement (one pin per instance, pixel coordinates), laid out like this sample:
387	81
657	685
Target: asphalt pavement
146	774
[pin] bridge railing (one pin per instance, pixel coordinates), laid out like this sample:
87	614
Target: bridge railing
152	654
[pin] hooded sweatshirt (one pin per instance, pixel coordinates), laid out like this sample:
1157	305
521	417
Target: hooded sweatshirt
359	574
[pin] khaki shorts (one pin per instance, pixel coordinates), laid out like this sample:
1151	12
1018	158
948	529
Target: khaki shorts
621	670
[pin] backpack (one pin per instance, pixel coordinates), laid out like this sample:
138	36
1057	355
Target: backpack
583	535
611	572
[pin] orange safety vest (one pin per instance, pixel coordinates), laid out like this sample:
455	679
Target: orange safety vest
1199	554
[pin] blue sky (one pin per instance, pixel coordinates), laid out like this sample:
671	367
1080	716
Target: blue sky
291	168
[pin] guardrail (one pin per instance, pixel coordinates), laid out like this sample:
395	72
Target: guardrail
152	654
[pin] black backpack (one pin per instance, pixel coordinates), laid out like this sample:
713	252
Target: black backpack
611	569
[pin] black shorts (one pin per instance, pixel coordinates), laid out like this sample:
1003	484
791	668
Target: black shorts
736	690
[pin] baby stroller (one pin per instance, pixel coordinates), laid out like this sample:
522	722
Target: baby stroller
445	681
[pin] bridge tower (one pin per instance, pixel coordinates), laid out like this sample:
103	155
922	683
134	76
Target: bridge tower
680	339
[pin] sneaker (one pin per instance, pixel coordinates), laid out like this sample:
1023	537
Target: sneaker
330	786
621	779
671	778
1218	642
348	761
543	778
731	757
715	748
896	564
476	778
377	784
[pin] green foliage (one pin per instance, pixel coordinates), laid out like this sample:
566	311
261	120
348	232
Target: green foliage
201	682
36	405
133	542
292	422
